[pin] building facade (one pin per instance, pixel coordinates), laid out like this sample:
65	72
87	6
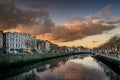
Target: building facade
47	46
18	42
1	42
43	46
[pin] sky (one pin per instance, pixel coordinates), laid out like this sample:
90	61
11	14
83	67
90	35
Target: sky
87	23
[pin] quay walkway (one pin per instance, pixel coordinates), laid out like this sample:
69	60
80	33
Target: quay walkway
111	61
111	57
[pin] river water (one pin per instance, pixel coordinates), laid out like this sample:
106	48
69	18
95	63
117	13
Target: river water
77	67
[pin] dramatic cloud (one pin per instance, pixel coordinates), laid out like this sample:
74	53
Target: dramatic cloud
35	19
94	41
97	21
115	21
104	12
77	30
10	16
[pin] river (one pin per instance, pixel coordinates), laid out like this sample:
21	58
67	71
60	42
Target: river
77	67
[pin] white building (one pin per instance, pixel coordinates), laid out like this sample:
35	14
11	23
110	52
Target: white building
47	46
18	42
43	46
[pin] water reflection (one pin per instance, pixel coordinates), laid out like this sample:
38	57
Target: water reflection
110	73
72	71
78	67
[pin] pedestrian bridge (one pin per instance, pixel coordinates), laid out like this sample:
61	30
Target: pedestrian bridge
83	52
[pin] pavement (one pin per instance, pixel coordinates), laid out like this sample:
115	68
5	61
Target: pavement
112	57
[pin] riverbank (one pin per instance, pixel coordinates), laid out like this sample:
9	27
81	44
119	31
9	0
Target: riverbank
110	61
14	60
109	58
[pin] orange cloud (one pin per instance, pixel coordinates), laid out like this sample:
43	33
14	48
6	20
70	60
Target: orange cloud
39	23
76	30
97	21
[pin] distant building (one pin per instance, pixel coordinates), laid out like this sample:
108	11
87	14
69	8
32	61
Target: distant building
70	49
82	49
47	46
1	42
54	48
18	42
43	46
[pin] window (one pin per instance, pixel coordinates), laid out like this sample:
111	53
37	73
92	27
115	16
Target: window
10	44
11	39
16	35
16	40
16	45
7	45
7	40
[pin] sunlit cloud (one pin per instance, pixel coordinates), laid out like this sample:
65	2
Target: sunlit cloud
94	41
36	20
97	21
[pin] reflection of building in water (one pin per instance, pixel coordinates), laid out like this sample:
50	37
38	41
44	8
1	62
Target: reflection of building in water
63	61
24	76
63	67
110	73
31	75
78	56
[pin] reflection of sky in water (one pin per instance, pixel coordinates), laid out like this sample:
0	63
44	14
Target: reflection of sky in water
88	62
74	69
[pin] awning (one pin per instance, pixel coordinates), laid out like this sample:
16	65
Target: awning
27	49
